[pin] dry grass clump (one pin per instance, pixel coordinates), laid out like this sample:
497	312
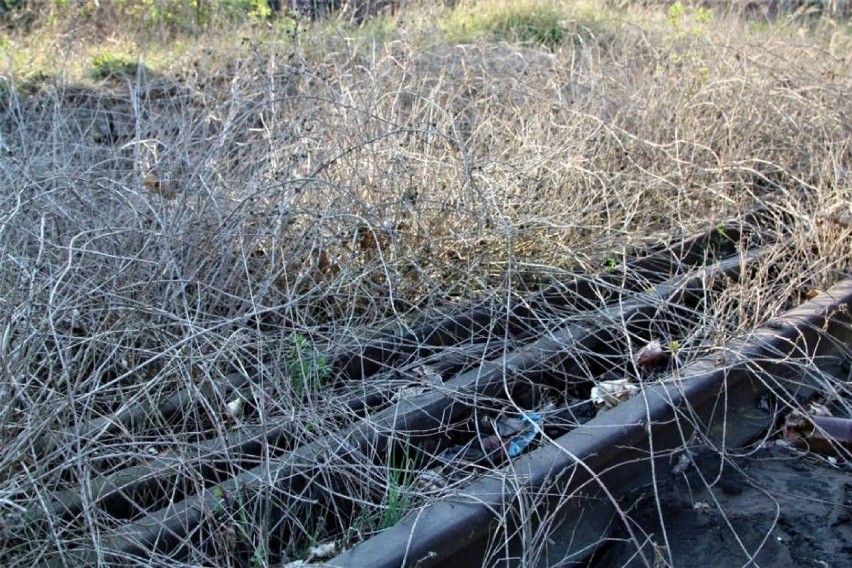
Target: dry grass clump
163	226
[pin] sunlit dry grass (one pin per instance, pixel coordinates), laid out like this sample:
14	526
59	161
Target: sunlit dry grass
193	217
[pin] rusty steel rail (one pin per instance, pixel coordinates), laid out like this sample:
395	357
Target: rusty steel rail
172	475
582	475
170	529
161	507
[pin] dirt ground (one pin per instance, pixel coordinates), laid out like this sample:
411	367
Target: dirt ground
776	507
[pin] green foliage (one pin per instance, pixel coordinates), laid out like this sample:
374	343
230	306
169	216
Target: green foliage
396	499
676	12
235	10
243	523
525	22
679	18
306	368
259	556
611	264
378	29
256	8
532	27
219	494
703	15
716	242
683	42
400	479
175	16
10	5
107	65
16	14
674	346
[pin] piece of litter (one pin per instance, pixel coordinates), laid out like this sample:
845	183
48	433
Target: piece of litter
322	551
506	426
499	446
430	480
428	375
683	462
426	379
702	507
235	408
817	409
651	354
520	442
609	394
407	392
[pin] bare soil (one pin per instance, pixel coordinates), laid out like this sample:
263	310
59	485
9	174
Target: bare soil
776	507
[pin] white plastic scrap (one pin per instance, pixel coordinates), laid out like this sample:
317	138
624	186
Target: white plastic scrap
235	408
407	392
817	409
429	375
609	394
427	379
322	551
702	507
683	462
431	480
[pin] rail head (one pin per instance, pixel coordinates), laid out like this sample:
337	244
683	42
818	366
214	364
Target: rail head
615	445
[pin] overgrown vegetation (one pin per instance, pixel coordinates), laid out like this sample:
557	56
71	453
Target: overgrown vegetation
527	22
307	370
108	65
273	189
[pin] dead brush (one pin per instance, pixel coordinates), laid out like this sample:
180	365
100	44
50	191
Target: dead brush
160	231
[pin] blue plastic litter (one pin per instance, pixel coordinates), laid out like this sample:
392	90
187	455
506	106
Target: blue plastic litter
520	442
513	436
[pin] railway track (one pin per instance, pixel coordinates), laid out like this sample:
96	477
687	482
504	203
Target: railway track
536	353
724	400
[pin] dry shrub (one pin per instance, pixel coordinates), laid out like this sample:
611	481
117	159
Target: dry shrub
163	229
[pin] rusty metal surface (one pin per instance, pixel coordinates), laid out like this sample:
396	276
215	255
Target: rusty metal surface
595	464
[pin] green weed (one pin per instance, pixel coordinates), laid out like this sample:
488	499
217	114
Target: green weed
611	264
396	500
400	480
219	494
243	525
306	368
676	12
108	65
523	22
687	28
